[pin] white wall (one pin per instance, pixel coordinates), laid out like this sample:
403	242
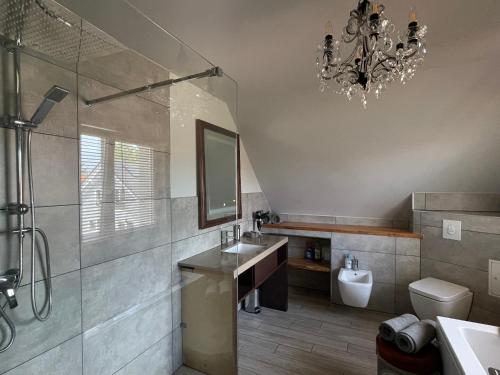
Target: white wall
188	103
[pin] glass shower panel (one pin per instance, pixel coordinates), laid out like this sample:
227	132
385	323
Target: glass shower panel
137	201
205	286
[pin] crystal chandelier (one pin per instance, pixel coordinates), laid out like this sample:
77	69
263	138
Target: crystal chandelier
380	55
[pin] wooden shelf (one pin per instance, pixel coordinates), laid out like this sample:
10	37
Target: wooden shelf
336	228
308	265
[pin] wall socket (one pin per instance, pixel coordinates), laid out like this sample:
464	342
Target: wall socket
452	230
494	278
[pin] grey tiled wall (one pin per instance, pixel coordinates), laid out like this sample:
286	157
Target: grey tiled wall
394	262
346	220
479	202
463	262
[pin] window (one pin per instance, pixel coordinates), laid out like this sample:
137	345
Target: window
117	185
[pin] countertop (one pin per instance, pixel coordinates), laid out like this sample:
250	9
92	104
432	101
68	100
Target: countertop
352	229
216	260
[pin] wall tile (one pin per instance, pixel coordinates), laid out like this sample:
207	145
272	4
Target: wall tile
473	251
110	69
185	218
298	233
177	348
157	360
408	246
365	221
34	337
401	224
62	228
55	164
110	346
381	265
130	119
65	359
382	297
472	222
121	243
55	170
402	300
161	170
189	247
245	212
483	316
37	77
256	202
363	242
407	269
122	281
418	201
473	279
303	218
416	217
462	201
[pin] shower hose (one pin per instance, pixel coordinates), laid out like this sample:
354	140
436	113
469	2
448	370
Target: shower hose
39	315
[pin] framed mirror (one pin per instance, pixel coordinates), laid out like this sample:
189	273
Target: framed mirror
218	175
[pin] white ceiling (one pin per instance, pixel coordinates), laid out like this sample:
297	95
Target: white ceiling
318	153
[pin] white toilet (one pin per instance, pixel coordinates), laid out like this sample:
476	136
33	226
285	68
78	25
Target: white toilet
355	287
432	297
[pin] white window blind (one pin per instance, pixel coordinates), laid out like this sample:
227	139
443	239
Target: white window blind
117	185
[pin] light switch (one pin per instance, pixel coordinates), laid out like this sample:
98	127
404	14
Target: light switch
494	278
452	230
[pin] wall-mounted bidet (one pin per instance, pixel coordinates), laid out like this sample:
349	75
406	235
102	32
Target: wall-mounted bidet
355	287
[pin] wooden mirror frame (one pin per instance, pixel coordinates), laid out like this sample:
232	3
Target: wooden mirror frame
203	222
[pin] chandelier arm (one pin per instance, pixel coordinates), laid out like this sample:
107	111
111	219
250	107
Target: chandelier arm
382	63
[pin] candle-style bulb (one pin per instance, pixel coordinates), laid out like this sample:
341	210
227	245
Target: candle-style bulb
375	8
413	14
329	28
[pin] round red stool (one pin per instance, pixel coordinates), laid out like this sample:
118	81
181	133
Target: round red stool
392	361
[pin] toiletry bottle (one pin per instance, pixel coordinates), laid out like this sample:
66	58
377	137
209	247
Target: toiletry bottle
317	252
309	253
348	261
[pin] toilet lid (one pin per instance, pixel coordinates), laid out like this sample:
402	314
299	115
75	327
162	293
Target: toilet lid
439	290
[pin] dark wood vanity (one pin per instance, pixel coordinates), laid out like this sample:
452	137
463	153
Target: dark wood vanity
270	276
214	282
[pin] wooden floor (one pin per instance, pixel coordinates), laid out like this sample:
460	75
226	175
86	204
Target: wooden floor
312	338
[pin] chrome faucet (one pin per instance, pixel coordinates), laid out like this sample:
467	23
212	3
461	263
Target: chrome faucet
226	234
7	287
355	264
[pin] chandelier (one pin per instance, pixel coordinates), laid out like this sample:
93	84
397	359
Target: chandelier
379	56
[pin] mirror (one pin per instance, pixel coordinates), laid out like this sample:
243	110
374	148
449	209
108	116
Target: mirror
218	175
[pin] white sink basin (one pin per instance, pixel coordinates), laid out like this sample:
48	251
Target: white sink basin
243	248
468	348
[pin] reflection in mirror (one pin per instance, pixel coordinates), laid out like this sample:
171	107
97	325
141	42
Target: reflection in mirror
218	161
117	187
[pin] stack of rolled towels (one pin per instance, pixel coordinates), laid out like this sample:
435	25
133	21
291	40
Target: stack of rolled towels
408	332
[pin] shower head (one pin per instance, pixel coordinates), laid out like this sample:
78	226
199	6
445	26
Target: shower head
55	95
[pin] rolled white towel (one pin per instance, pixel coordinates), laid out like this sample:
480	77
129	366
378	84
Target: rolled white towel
391	327
413	338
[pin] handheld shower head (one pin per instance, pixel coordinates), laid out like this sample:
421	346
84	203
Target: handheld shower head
55	95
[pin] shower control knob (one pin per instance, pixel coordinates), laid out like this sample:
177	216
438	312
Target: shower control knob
17	208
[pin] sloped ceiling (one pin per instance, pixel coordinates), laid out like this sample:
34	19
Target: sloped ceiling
317	153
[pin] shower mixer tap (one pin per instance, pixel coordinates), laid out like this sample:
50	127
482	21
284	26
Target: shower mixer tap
8	283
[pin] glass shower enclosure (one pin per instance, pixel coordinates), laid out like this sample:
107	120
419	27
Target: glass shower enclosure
116	182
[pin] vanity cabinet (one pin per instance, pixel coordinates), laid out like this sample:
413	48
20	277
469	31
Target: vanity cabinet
214	283
271	278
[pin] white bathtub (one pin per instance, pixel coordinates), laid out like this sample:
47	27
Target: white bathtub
468	348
